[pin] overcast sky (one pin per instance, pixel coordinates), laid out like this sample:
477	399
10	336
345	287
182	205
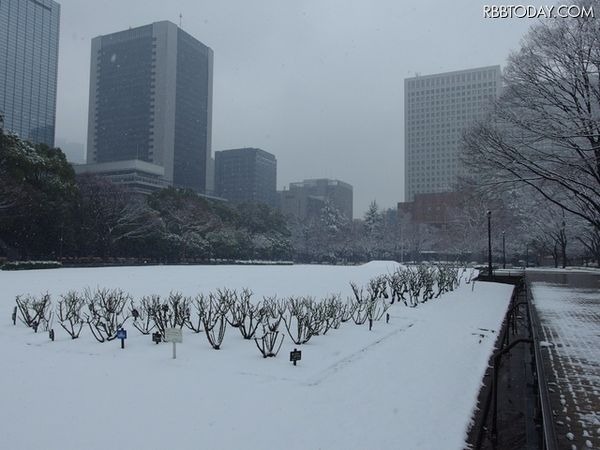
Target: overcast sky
318	83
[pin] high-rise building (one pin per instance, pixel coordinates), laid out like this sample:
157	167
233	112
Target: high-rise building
150	109
305	199
246	175
28	67
437	109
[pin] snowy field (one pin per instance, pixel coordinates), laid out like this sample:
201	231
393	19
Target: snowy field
409	384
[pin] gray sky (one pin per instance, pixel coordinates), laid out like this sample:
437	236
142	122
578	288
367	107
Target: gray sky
318	83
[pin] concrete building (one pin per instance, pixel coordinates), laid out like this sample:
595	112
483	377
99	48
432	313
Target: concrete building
305	199
431	209
437	109
246	175
29	32
150	109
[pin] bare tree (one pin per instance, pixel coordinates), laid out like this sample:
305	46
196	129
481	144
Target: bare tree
137	221
544	131
549	227
589	237
104	208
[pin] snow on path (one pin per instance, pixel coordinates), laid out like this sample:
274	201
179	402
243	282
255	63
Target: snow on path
412	383
570	322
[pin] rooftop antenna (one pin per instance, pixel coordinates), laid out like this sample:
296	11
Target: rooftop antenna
180	19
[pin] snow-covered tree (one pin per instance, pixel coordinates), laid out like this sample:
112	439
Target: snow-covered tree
373	220
37	198
544	131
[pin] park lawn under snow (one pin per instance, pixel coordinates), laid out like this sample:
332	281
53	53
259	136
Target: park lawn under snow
409	384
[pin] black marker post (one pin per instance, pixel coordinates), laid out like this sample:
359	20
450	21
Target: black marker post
295	356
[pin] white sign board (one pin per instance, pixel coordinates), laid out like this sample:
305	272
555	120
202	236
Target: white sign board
174	335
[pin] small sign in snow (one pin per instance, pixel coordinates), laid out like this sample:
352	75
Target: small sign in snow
295	355
122	335
174	335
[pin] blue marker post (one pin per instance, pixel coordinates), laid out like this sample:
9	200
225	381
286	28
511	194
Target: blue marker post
122	334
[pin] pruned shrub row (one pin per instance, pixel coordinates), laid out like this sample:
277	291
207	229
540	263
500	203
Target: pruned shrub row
266	322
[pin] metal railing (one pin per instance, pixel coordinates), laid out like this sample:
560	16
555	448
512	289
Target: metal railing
548	436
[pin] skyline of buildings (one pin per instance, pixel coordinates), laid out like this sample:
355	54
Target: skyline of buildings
150	108
246	175
29	68
305	199
151	85
437	109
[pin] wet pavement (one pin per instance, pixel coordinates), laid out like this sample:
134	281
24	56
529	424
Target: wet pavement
568	307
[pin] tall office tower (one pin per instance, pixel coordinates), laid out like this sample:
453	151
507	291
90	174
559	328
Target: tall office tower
150	110
437	109
28	67
305	199
246	175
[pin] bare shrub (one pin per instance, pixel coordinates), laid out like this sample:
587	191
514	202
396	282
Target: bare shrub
215	315
272	313
105	314
173	313
35	311
194	321
143	314
298	319
267	344
70	316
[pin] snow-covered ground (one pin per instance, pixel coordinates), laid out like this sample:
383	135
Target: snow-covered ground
409	384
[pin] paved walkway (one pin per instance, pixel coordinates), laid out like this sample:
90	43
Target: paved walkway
568	307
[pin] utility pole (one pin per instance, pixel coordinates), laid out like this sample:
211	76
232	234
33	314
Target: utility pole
503	252
489	218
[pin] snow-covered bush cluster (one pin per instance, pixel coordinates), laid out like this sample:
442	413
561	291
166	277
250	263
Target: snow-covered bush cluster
265	321
30	265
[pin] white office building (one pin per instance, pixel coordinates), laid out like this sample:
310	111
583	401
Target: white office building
437	110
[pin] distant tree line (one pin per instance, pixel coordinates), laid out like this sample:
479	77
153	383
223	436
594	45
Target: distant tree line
47	212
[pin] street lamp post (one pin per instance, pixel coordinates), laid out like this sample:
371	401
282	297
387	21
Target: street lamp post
489	218
503	252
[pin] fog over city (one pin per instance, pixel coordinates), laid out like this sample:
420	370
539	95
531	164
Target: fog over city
317	83
332	224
